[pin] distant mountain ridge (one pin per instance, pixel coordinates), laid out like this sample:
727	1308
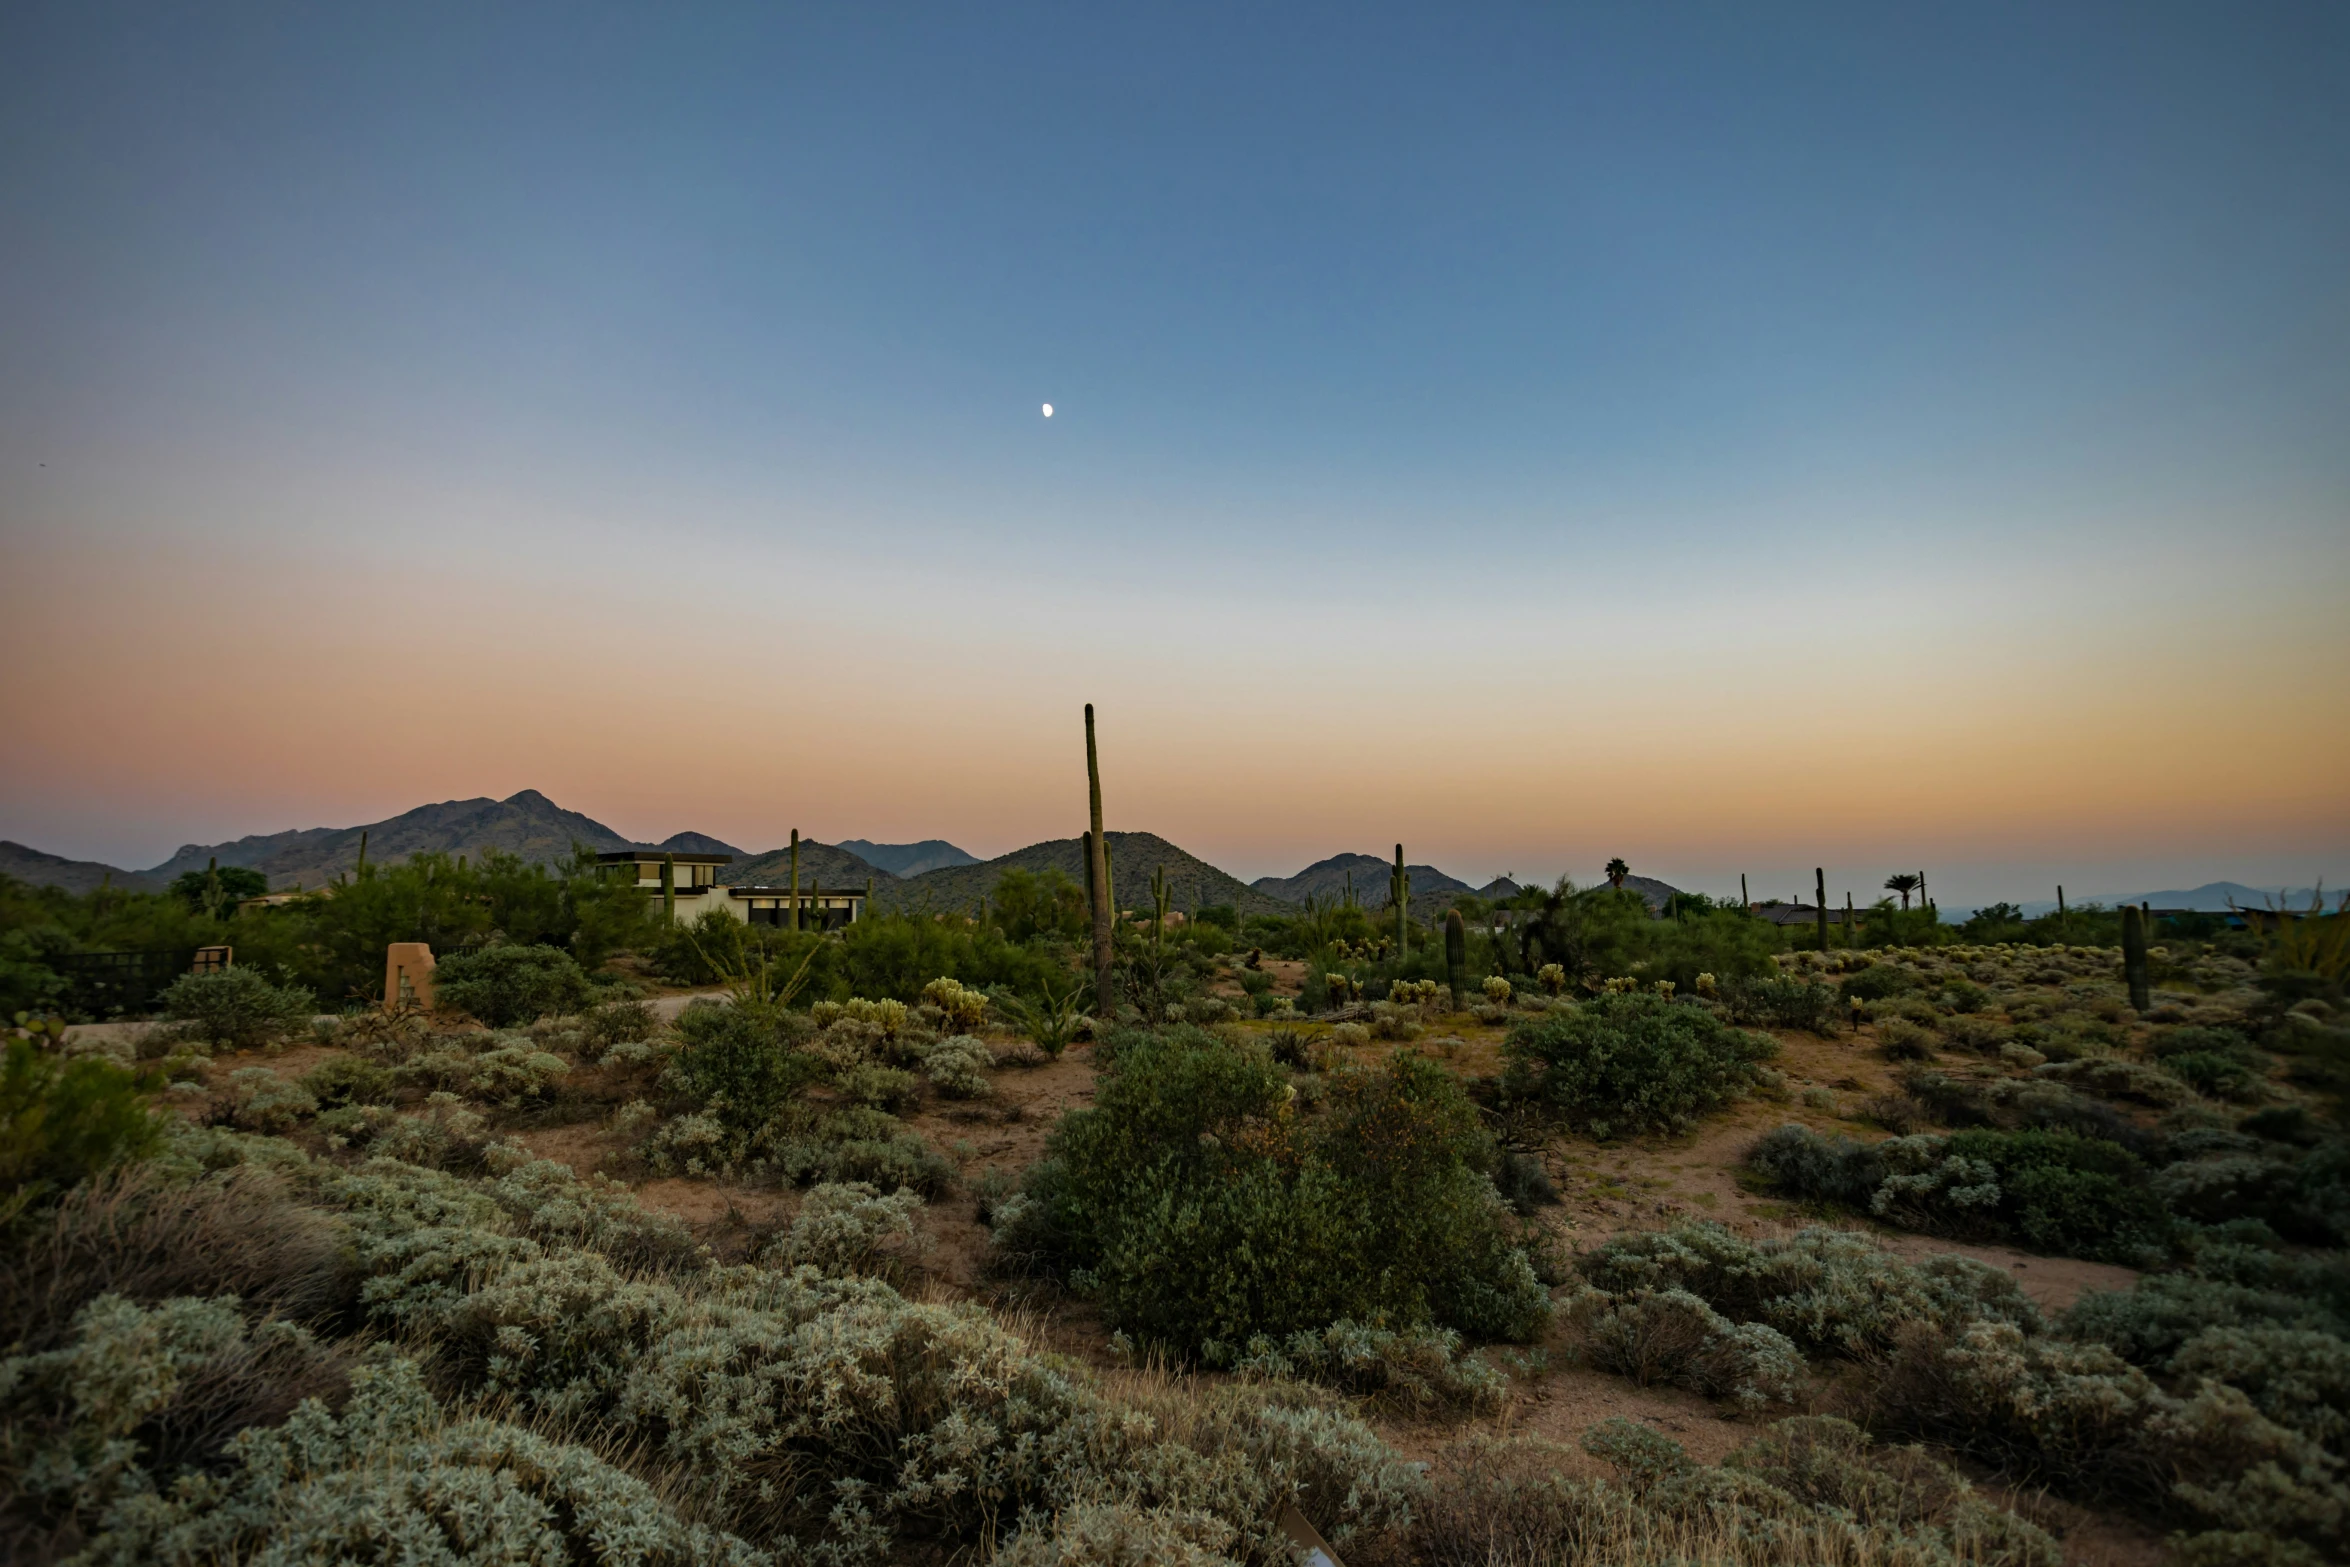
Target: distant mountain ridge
1328	879
1193	882
909	859
36	869
821	865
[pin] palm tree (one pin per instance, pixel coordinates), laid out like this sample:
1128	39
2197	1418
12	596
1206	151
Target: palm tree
1905	884
1616	871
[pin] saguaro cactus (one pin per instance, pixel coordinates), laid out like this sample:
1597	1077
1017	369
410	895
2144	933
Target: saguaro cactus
1400	890
669	886
1744	897
1105	984
1819	877
795	878
2064	921
1456	955
2134	969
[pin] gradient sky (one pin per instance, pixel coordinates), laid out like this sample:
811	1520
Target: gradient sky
1732	437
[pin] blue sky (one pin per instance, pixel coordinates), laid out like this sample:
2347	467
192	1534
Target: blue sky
1535	362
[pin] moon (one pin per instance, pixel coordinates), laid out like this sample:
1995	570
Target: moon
1048	410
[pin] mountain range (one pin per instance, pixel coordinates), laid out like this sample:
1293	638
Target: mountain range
535	827
1365	874
909	859
1192	882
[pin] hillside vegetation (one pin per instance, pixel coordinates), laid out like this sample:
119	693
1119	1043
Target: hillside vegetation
889	1253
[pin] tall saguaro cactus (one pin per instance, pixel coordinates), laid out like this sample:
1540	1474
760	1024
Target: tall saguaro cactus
1401	891
669	887
2134	969
1820	883
1456	956
1105	984
795	878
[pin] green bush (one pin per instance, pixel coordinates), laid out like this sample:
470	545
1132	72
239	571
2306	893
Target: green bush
1203	1211
237	1007
1804	1492
1784	1001
2051	1191
63	1121
1621	1065
506	986
1828	1291
1877	982
741	1062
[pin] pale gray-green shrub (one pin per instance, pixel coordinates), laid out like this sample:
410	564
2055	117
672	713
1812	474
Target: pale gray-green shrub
849	1228
1673	1336
261	1101
1829	1291
1420	1369
957	1067
394	1479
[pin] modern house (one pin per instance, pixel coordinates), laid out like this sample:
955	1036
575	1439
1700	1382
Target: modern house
700	891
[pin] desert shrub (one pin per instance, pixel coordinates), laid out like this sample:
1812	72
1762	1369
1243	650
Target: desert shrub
2052	1191
1898	1040
1390	1021
611	1023
1828	1291
139	1393
1625	1064
63	1121
2083	1418
1194	1165
1807	1492
1418	1369
1673	1336
2198	1039
392	1478
2021	1103
2154	1319
740	1061
881	1087
958	1067
1783	1001
348	1080
1348	1035
147	1233
846	1229
2219	1076
1113	1534
261	1101
507	985
510	1071
1964	996
1877	982
1523	1183
2115	1079
238	1007
2297	1377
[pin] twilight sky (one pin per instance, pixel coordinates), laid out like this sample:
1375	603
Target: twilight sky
1732	437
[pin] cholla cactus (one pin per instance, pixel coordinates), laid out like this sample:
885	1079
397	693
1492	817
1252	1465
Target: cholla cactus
965	1009
889	1014
1665	988
1621	985
1707	987
1497	990
1552	977
1414	992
